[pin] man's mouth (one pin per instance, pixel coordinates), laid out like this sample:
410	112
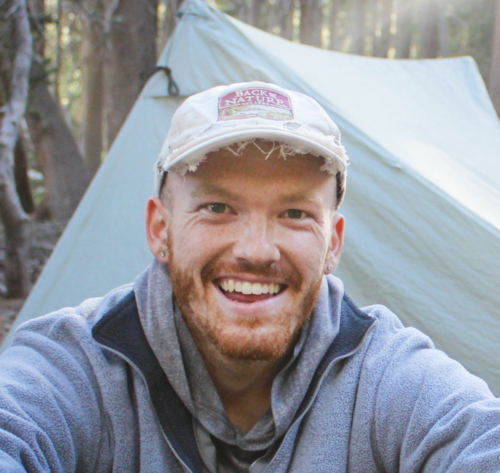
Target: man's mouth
248	291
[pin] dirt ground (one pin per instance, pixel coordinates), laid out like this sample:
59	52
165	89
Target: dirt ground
44	239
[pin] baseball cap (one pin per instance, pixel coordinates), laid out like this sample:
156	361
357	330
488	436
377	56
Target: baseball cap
225	115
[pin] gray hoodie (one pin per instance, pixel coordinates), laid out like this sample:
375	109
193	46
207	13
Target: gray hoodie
179	358
86	389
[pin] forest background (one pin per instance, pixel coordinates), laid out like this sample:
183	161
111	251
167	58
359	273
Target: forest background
70	71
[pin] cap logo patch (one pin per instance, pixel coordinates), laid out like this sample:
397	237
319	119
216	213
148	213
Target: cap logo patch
255	102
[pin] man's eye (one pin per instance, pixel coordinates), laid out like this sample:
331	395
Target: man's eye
218	208
295	214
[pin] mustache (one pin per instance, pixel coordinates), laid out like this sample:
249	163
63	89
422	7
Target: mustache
289	277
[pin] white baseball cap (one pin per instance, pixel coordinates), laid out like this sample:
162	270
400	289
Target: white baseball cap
225	115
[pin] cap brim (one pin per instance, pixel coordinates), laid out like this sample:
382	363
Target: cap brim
301	143
196	152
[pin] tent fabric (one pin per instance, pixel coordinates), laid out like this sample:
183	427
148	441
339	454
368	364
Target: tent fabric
423	197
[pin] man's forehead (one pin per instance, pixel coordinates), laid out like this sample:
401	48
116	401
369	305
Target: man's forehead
224	186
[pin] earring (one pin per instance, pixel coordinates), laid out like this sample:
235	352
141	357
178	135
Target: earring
329	267
162	254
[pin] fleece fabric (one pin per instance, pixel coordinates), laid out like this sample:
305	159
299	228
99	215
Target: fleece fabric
181	361
82	390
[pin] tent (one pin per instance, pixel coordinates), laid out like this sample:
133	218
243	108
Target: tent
423	196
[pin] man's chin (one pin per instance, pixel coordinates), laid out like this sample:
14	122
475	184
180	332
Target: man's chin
252	344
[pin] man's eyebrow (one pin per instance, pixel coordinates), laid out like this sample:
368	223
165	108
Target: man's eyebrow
301	197
212	189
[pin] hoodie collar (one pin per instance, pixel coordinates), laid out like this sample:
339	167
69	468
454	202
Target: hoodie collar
182	363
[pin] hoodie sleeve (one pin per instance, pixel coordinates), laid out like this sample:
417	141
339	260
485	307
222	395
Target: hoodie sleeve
50	403
431	415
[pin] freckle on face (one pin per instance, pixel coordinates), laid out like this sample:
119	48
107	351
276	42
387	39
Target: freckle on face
200	252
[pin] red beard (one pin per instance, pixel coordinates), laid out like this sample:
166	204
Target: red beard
254	337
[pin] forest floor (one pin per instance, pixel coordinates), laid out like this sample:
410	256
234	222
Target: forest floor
44	238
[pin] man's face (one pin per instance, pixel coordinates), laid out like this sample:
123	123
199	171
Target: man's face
248	241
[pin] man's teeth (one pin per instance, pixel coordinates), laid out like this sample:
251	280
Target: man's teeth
246	287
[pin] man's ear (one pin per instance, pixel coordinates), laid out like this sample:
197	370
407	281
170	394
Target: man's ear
156	228
336	242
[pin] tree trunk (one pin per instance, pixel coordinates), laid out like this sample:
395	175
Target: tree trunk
357	26
494	82
382	42
170	20
444	33
253	14
131	57
23	187
239	9
92	88
65	175
311	22
57	78
285	17
429	28
404	34
13	217
333	22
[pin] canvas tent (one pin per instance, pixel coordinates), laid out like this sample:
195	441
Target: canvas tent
423	196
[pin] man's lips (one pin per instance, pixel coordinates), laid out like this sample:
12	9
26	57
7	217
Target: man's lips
241	290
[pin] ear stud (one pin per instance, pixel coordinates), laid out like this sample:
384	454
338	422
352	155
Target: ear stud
162	254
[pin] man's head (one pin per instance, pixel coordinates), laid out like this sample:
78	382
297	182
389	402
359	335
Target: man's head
248	234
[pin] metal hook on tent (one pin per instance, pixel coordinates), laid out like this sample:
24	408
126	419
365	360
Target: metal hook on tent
173	89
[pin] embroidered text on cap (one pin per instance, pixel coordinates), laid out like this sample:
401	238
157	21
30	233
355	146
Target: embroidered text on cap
255	102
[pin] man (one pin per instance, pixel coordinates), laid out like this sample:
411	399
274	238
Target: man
236	350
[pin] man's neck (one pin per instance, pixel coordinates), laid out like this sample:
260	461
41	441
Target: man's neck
244	386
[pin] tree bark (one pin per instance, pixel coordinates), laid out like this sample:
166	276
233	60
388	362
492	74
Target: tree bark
444	33
170	20
239	9
285	16
21	176
311	22
132	27
494	79
430	12
404	34
357	26
253	14
333	22
93	87
65	175
57	78
382	42
13	217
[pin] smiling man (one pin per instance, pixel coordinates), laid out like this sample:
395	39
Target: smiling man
237	350
247	240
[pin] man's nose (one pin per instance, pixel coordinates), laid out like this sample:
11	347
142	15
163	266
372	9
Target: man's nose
256	243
